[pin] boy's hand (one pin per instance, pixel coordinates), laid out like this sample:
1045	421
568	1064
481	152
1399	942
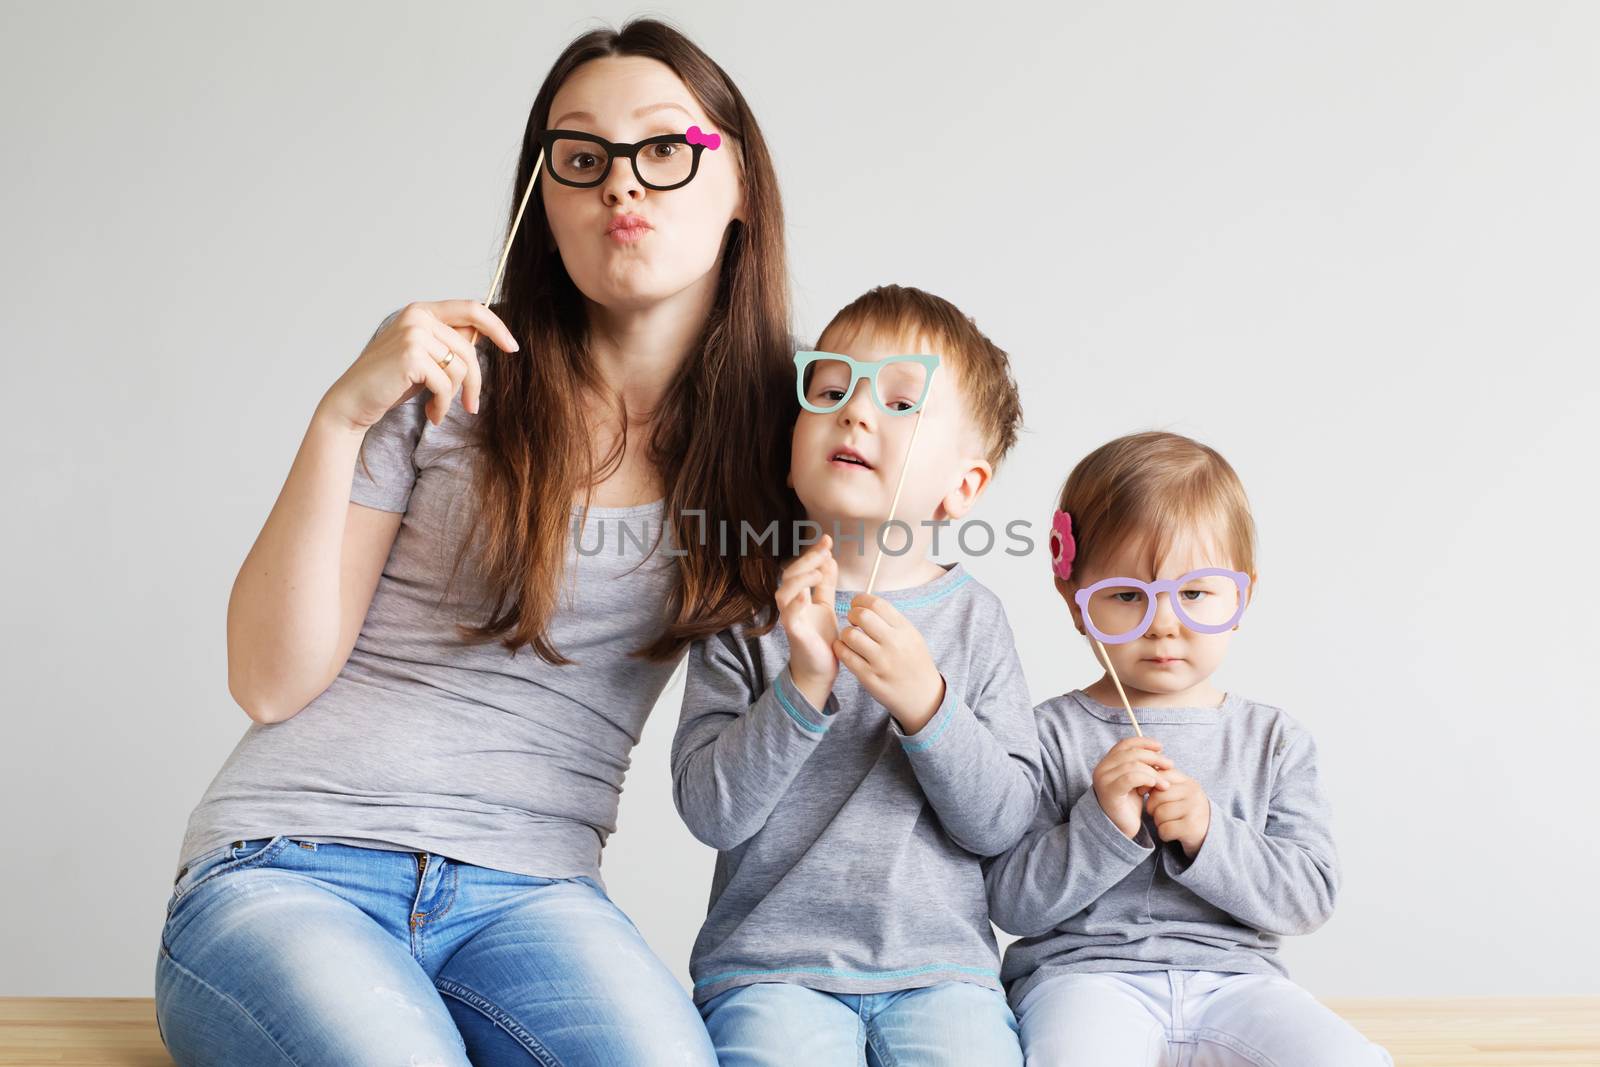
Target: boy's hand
1131	768
805	607
890	658
1181	812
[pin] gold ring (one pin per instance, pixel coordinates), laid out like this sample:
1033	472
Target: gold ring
445	362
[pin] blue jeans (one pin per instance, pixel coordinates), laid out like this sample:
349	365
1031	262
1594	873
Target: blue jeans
279	951
1186	1019
775	1024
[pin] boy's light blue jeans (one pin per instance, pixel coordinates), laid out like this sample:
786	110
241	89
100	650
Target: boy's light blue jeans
776	1024
1186	1019
283	952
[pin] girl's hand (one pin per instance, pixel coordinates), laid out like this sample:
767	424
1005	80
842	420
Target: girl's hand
1130	768
404	357
1181	811
805	608
892	661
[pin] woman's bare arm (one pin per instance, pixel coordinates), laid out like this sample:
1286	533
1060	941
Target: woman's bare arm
303	591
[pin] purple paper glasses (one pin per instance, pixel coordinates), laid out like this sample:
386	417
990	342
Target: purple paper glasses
1207	601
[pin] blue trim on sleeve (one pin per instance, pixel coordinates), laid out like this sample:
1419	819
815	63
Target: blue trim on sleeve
926	743
841	604
816	728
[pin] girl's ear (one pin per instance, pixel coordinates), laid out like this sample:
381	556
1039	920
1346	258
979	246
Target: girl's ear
1250	595
1068	591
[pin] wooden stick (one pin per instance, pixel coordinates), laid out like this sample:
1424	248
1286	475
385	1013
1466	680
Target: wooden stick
905	466
516	224
1107	657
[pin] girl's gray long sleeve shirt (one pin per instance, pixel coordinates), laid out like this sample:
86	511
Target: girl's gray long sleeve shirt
850	853
1085	897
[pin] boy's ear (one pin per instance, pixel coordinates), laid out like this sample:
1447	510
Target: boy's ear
1250	594
960	500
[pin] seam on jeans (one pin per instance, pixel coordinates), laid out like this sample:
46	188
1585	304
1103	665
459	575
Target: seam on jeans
885	1055
450	901
489	1010
242	1009
1233	1044
254	860
832	972
175	895
197	861
862	1040
1150	1045
616	909
454	873
415	925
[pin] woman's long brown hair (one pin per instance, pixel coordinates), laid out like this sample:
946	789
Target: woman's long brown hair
720	440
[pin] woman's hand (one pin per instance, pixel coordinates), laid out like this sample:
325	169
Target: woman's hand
891	660
805	607
404	358
1130	769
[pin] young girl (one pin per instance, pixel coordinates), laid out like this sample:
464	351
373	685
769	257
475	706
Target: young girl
1163	867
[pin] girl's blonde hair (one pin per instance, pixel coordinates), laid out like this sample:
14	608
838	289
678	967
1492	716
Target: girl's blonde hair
1151	489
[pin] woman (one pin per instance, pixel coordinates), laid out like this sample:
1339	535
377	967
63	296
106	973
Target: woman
399	863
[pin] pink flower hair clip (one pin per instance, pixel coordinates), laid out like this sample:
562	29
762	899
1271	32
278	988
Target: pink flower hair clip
1063	549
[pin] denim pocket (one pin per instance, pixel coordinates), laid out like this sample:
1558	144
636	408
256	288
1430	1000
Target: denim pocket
585	879
230	857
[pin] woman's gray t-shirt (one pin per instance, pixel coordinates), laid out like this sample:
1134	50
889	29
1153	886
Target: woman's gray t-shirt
425	742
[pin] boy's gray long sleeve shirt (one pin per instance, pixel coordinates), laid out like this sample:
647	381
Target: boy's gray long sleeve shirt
1084	897
850	853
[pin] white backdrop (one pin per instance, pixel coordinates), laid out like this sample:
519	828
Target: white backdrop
1353	245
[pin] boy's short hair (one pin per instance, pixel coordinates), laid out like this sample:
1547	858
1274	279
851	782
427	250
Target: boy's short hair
984	368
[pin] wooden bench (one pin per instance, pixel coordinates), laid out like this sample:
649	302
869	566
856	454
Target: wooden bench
1435	1032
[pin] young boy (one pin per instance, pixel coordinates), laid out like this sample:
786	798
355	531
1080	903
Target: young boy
854	764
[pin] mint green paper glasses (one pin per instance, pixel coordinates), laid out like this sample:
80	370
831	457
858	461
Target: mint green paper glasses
825	381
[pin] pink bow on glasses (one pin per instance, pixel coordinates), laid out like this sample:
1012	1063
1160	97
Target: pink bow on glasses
710	140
